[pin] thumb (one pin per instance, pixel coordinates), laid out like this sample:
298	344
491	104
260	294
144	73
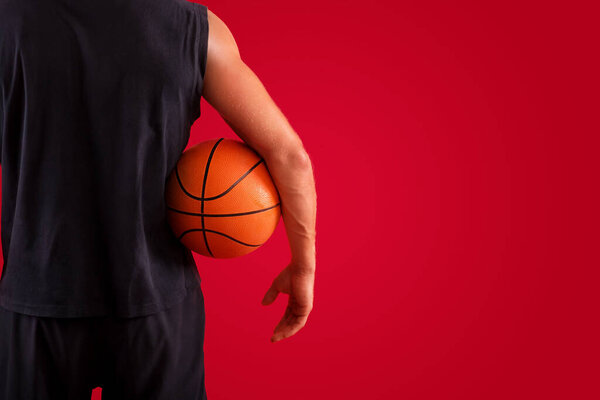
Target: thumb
270	296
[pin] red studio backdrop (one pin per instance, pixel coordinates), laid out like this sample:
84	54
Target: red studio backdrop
455	149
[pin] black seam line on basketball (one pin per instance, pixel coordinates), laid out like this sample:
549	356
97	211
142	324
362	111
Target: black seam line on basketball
223	215
219	233
222	194
236	182
210	156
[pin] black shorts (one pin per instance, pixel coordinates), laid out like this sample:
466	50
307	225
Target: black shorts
159	356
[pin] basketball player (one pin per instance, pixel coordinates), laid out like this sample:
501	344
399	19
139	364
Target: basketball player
97	100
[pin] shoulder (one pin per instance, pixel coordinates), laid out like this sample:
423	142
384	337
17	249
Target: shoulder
221	41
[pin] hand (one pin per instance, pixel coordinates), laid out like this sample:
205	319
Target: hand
299	285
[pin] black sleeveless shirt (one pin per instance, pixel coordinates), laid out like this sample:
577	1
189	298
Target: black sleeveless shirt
97	99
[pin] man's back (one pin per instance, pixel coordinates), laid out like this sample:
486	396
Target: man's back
97	102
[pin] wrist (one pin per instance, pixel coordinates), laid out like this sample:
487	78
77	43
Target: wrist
303	264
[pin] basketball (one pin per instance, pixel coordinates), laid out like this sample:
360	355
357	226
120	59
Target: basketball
221	200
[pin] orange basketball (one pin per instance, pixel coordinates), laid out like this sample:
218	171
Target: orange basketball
221	200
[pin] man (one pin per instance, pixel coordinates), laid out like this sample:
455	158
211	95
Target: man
97	102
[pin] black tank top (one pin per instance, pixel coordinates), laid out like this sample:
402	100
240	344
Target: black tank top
97	102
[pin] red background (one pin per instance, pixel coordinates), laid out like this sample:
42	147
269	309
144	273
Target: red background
455	152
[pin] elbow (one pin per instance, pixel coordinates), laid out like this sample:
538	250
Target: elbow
300	159
296	158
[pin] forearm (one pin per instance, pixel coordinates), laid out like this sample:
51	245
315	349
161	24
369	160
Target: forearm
294	179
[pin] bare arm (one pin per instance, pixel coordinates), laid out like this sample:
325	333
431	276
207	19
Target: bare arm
238	95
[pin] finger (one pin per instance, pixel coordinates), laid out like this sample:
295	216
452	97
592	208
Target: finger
287	315
294	312
289	324
289	328
270	296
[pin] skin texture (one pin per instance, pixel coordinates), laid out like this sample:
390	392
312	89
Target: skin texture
238	95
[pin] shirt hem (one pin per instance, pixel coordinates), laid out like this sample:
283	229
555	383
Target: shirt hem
96	310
